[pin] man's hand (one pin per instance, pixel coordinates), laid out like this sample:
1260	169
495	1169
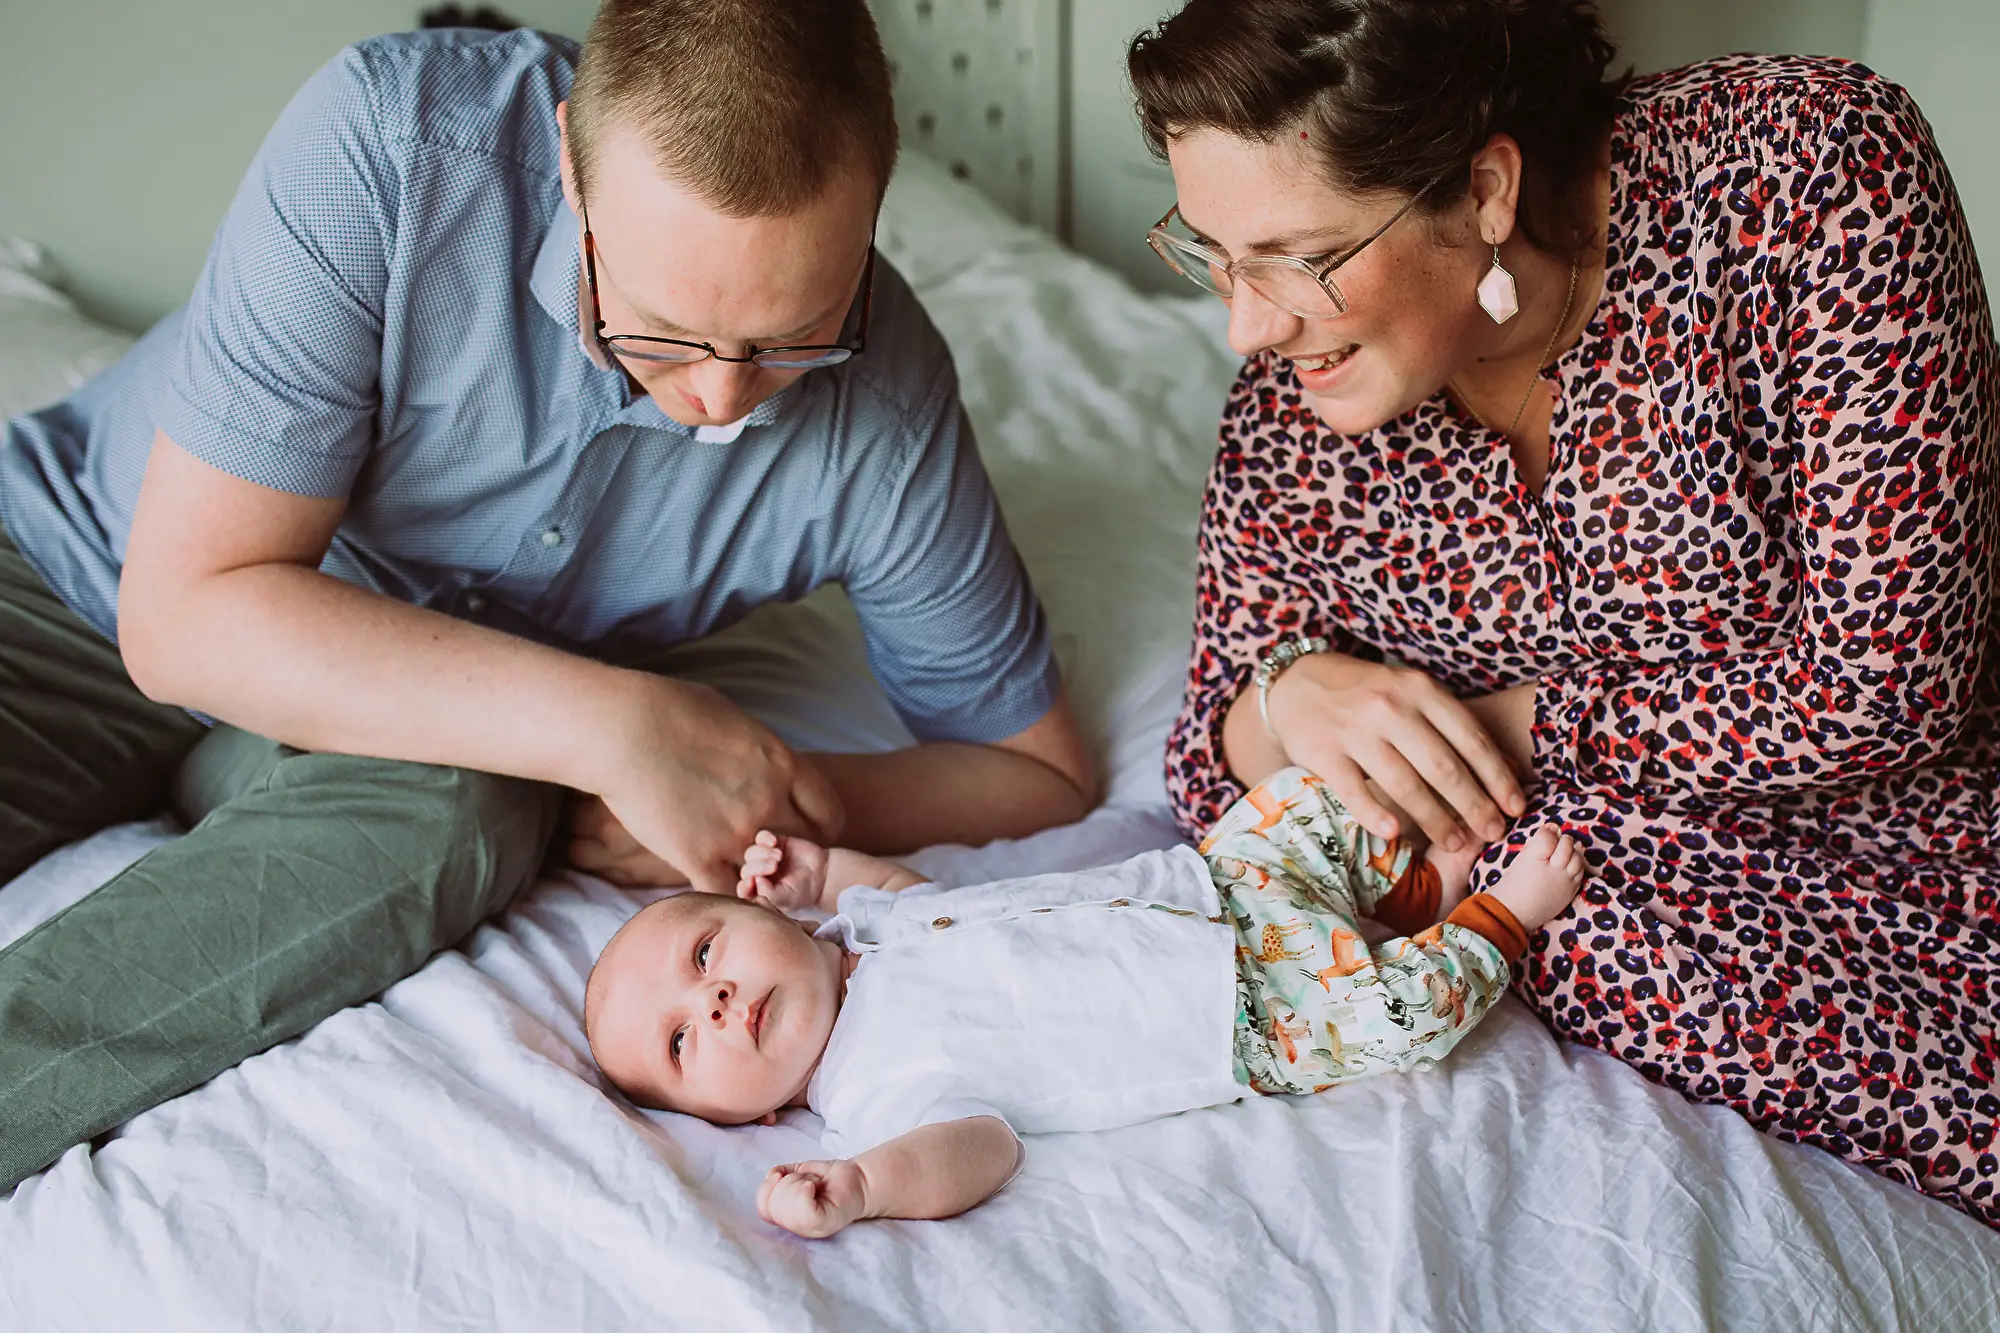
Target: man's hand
785	873
813	1199
692	780
599	844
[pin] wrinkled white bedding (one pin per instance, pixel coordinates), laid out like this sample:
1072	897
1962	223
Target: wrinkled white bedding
443	1158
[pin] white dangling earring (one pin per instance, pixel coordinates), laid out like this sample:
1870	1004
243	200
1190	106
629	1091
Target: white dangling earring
1497	294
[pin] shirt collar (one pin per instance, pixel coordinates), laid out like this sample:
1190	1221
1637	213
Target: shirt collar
558	269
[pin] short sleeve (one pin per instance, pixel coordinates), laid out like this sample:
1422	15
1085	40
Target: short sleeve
1255	585
278	376
954	631
865	1118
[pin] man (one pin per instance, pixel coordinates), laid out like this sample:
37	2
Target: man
490	388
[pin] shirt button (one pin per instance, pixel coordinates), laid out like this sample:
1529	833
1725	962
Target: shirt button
474	603
941	923
552	537
1121	902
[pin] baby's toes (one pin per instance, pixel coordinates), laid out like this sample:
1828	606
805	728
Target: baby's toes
1541	844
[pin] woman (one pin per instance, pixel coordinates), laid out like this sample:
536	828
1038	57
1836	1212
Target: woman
1649	426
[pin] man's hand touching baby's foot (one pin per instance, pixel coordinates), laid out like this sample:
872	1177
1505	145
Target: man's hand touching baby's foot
785	873
1543	878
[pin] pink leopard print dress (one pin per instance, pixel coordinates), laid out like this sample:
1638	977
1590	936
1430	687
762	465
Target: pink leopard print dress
1755	592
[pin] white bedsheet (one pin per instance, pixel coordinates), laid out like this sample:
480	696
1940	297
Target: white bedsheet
443	1158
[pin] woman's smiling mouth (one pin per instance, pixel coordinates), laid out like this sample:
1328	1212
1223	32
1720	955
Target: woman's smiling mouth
1317	373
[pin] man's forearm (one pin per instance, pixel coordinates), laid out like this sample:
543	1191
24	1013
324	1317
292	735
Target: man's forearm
846	868
292	654
947	792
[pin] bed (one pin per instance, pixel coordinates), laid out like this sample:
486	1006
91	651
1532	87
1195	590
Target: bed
443	1157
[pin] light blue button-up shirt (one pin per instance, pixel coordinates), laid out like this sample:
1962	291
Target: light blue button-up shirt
389	313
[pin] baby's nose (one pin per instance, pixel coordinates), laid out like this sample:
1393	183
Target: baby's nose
721	1006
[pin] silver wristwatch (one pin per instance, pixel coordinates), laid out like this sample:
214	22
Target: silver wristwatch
1273	666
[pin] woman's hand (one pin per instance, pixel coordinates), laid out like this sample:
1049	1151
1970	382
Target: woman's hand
1445	762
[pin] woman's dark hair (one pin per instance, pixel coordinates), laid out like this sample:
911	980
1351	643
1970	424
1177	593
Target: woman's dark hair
1397	94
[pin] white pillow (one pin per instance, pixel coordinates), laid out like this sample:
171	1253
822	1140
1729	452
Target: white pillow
47	346
932	226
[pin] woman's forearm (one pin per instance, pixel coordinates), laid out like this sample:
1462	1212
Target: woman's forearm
1249	749
1509	718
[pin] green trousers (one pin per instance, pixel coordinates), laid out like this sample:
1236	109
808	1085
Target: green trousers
309	882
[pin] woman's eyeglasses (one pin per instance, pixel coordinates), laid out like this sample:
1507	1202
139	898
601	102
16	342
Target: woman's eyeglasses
1302	285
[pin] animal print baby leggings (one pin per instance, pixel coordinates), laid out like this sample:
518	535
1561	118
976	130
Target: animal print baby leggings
1316	1004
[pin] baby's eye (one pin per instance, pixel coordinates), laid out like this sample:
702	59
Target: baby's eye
674	1045
701	955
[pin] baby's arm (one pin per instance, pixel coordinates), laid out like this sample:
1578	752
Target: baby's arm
934	1171
789	873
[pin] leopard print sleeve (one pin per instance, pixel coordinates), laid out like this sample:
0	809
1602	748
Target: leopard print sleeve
1855	278
1257	583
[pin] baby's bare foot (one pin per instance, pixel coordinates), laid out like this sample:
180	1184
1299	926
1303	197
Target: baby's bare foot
1543	878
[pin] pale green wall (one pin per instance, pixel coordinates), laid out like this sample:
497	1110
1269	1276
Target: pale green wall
1661	34
1947	53
1117	190
130	122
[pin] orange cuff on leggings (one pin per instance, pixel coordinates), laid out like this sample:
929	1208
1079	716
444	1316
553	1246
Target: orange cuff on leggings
1412	903
1483	914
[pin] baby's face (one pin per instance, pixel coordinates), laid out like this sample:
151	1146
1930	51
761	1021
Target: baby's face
714	1007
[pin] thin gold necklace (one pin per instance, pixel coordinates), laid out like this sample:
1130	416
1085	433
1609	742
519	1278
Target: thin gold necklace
1569	303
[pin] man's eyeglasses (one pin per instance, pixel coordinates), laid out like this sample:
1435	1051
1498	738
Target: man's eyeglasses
1302	285
680	352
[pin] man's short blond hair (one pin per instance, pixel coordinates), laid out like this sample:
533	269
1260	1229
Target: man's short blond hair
754	105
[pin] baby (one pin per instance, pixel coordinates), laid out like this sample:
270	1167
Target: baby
930	1026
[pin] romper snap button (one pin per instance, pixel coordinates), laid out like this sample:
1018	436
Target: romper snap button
941	923
1121	902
